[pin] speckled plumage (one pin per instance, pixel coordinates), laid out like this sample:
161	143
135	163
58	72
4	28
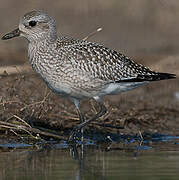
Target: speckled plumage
75	68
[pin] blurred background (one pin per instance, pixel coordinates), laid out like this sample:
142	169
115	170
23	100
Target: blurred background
147	31
133	27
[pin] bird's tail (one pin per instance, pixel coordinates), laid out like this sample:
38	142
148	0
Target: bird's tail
155	76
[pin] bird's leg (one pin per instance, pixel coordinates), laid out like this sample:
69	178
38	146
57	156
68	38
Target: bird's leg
72	134
101	112
81	121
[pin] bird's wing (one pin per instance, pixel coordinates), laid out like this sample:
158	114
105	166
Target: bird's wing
107	65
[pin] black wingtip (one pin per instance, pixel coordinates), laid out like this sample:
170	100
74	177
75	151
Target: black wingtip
153	77
163	76
156	76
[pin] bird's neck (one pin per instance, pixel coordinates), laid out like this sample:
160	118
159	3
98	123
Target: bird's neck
38	47
32	49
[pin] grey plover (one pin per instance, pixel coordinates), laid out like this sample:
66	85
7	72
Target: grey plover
79	69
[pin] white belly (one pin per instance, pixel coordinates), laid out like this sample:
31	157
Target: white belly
116	88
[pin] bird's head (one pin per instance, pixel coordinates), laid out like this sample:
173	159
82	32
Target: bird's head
35	26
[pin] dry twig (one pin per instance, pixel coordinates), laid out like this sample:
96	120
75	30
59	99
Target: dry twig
92	33
29	130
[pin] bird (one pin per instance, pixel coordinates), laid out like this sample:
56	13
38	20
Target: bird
79	69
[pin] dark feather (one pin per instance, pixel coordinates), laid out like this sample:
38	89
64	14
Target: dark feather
154	77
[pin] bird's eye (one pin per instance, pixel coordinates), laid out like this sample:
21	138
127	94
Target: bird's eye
32	23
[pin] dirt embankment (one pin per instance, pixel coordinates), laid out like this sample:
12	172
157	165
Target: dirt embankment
152	108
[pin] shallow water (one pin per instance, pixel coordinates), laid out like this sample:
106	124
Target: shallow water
154	159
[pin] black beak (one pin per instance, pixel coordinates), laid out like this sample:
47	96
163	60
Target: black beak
12	34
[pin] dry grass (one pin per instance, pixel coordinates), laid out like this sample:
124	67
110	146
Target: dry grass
27	107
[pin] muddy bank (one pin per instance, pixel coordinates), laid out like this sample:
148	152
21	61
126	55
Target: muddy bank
24	98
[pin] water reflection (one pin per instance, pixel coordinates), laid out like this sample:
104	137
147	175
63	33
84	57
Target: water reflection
91	162
85	169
